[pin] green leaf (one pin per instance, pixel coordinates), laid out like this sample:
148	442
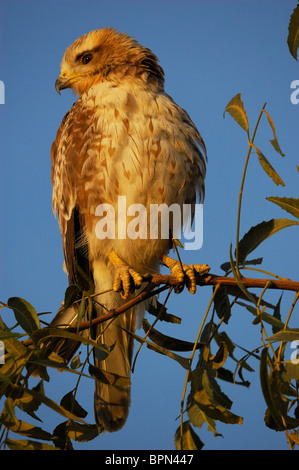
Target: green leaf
259	233
266	389
238	278
30	404
15	444
278	404
222	304
167	342
268	168
54	406
82	432
274	141
189	439
25	429
198	418
108	377
68	402
277	316
208	402
46	333
292	370
289	204
25	314
291	334
155	347
266	317
216	361
227	266
75	362
72	294
293	35
237	111
9	334
161	311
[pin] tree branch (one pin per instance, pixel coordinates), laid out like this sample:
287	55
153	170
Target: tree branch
170	281
154	287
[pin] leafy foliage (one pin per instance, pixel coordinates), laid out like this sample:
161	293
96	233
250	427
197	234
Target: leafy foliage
293	36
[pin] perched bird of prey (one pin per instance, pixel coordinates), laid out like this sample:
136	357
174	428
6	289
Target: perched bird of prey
124	136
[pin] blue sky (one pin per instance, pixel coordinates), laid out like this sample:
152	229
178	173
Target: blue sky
210	51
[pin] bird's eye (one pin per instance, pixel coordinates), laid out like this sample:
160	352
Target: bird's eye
86	58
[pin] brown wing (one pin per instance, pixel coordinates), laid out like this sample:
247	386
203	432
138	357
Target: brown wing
67	155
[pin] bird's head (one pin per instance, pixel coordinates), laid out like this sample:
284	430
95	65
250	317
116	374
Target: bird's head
104	55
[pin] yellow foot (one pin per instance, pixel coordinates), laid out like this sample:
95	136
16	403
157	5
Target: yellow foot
126	279
185	272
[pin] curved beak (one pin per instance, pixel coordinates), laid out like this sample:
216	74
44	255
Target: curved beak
62	83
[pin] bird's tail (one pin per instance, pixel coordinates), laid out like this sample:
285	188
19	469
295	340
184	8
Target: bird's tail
112	394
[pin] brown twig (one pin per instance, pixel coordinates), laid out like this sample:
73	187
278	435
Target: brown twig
154	288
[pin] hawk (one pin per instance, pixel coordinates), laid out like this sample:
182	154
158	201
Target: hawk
124	136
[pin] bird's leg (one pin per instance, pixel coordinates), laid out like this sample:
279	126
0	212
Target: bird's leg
182	271
126	279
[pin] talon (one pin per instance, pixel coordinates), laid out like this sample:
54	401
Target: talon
185	272
126	279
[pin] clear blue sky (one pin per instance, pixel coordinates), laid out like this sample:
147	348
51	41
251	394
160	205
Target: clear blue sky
210	51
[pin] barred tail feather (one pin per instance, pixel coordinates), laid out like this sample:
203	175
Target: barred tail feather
111	402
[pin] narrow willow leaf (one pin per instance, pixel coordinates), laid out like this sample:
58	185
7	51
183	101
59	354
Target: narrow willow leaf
266	317
281	402
82	432
45	333
222	304
9	410
214	410
72	294
68	402
292	334
108	377
25	429
259	233
25	314
238	279
268	168
274	141
75	362
253	262
28	403
10	334
277	316
15	444
197	417
293	35
289	204
295	437
14	347
155	347
291	370
237	111
167	342
189	439
216	361
54	406
265	386
160	311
